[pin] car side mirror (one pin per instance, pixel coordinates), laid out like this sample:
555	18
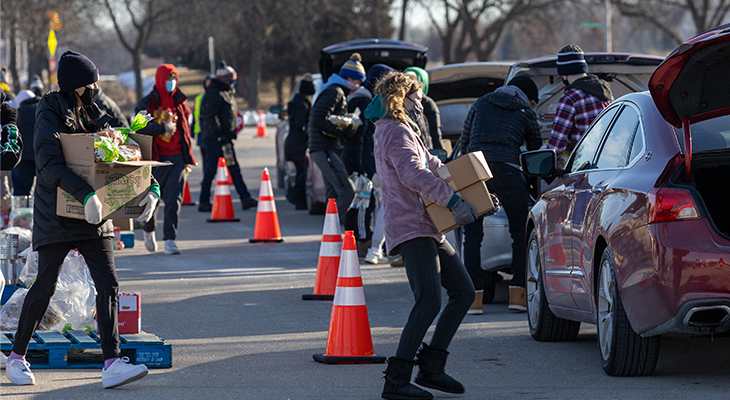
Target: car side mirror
441	154
542	163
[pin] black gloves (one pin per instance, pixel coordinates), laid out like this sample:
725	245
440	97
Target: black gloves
8	115
497	206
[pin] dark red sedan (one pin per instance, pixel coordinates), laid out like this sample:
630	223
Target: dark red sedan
634	234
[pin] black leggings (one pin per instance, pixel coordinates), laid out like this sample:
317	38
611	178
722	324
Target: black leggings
99	256
430	265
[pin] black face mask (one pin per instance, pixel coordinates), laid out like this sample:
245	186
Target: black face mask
89	96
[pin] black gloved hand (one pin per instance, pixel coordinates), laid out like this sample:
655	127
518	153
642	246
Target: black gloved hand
464	213
497	205
8	115
223	140
348	132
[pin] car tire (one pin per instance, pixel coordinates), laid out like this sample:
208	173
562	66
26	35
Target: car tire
544	325
623	351
314	207
490	286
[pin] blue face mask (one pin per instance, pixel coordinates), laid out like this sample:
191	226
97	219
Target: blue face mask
170	86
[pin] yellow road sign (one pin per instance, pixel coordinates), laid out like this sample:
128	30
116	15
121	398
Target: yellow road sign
52	42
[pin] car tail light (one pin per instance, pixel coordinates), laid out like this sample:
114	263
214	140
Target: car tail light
666	205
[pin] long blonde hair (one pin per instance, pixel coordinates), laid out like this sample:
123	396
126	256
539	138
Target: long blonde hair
394	87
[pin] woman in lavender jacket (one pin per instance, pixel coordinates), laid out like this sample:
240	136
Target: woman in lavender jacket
404	169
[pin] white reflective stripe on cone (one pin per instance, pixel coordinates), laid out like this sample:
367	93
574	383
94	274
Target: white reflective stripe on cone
349	296
265	189
331	224
222	190
266	206
349	264
221	175
330	249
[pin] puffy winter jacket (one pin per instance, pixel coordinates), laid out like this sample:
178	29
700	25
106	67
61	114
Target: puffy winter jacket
54	116
109	106
26	125
323	134
295	145
498	123
152	101
218	113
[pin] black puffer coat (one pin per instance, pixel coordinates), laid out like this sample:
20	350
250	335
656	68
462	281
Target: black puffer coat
323	134
218	113
54	116
118	118
295	145
498	123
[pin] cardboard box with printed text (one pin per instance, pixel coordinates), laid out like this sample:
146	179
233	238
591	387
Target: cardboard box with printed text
120	186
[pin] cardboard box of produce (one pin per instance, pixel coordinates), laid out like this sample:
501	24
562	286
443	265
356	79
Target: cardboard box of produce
120	186
125	224
465	171
477	195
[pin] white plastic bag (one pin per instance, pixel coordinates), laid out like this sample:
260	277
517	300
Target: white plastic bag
10	314
363	190
75	296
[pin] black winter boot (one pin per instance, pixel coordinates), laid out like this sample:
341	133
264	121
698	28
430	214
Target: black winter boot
398	382
431	373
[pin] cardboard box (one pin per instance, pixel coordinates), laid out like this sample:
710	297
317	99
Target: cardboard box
130	313
465	171
120	186
477	195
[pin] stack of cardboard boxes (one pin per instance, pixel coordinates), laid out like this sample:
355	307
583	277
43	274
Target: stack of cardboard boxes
466	176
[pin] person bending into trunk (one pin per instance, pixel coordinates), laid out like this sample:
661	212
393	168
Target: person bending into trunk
404	169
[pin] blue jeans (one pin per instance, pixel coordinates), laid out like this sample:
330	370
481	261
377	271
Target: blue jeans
213	152
172	184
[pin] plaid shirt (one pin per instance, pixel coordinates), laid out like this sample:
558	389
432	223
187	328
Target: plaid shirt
576	110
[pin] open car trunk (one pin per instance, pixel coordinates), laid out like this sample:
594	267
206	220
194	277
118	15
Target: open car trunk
708	171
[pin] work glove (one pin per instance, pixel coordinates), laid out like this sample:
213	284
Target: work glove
464	213
497	205
8	115
170	127
92	210
149	201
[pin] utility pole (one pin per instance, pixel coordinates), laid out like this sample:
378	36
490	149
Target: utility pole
211	54
607	25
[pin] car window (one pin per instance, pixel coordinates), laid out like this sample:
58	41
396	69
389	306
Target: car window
616	149
453	116
712	134
637	143
584	153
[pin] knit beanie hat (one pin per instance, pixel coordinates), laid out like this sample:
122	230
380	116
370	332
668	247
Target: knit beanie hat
421	76
527	86
374	74
353	68
226	74
306	86
75	71
571	61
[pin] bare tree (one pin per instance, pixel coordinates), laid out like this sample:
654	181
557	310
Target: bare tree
664	14
143	15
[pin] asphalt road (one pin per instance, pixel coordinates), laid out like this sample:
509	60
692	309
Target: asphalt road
239	329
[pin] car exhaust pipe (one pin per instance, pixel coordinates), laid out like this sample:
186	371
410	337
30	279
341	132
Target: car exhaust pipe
707	316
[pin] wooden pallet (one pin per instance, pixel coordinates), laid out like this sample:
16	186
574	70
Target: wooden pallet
78	349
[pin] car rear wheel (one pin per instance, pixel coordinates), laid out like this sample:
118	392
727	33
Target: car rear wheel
623	351
544	325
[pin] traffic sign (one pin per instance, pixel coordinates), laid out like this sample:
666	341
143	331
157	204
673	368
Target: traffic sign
52	43
239	122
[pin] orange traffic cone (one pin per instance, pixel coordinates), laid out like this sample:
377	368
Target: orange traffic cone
349	340
187	200
267	223
222	203
329	256
261	125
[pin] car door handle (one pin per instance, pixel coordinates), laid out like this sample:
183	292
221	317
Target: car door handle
598	189
569	190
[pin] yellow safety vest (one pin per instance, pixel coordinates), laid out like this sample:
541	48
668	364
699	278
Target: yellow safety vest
196	113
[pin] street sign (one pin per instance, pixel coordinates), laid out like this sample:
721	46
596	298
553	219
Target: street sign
52	43
592	25
239	122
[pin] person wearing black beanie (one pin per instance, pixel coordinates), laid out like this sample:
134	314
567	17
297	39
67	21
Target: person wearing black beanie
72	111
